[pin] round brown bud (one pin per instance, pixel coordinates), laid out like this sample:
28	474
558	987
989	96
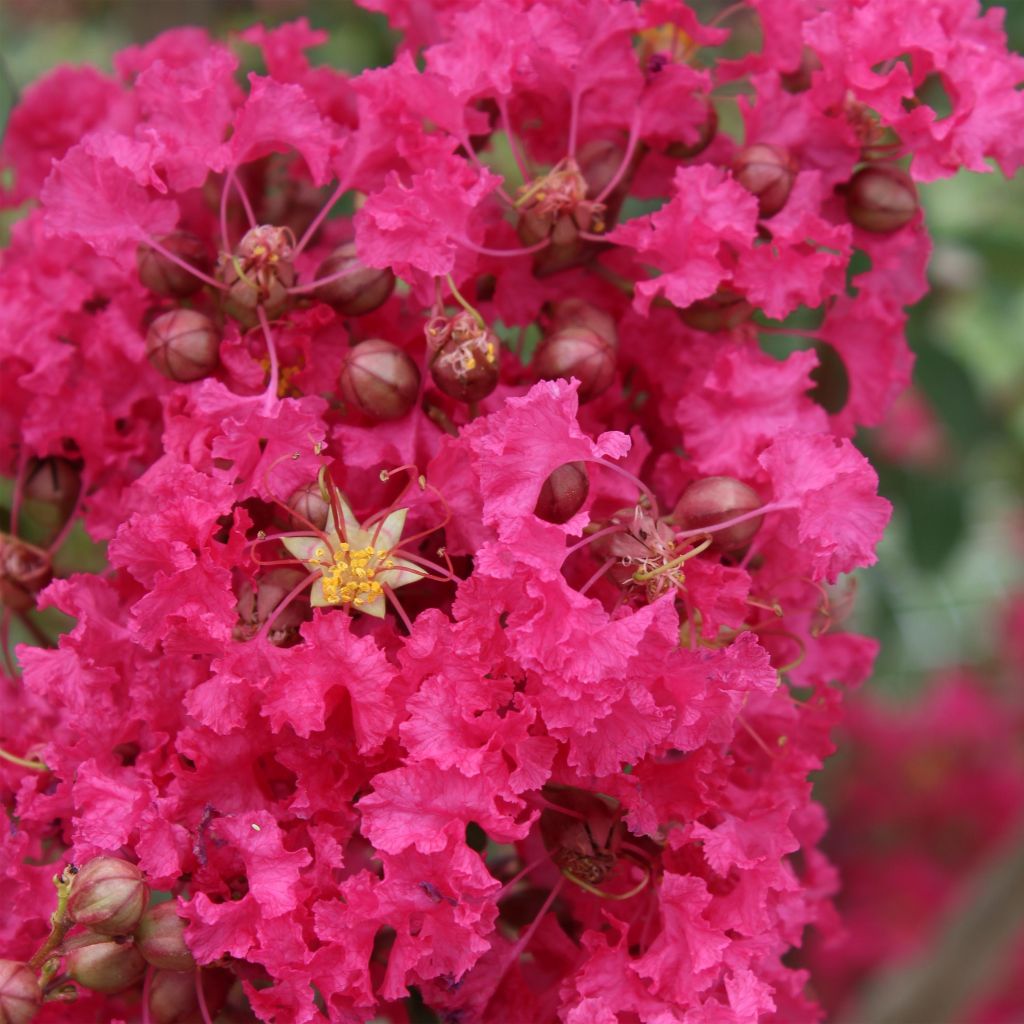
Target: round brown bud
258	273
578	313
106	966
768	172
160	938
563	493
183	345
704	135
362	290
172	995
721	311
165	277
881	198
379	379
464	356
310	506
581	353
55	481
20	996
108	896
715	499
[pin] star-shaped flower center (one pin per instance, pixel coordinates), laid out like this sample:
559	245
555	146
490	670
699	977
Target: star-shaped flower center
358	565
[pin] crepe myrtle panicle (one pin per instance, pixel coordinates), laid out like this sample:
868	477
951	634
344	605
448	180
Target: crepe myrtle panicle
466	607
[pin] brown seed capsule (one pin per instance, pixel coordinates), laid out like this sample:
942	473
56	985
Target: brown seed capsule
715	499
379	379
183	345
106	966
463	356
881	198
581	353
563	493
160	938
720	311
258	273
362	289
165	277
20	995
768	172
108	896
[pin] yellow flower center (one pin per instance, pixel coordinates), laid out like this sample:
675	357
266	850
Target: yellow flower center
349	578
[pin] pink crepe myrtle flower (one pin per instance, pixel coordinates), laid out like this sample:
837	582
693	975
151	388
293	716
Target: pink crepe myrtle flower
400	685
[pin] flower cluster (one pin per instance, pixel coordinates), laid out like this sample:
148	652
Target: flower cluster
471	442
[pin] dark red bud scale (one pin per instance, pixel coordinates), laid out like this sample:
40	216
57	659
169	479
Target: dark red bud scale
881	198
578	352
20	994
24	571
165	277
563	493
183	345
768	172
362	289
108	896
379	379
715	499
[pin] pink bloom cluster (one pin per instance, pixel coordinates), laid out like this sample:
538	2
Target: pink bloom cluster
471	622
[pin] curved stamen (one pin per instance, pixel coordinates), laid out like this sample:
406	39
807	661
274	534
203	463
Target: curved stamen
21	762
283	603
270	395
246	205
606	531
301	289
774	506
627	158
628	895
194	271
483	250
344	184
608	563
397	605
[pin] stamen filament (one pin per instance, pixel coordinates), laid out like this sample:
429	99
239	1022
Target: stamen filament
483	250
21	762
342	187
194	271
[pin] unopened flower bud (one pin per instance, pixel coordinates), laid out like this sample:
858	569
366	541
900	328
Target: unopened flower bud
172	995
183	345
581	353
715	499
258	273
106	966
24	571
578	313
768	172
160	938
463	356
362	289
20	996
705	134
720	311
259	600
563	493
165	277
108	896
379	379
310	506
881	198
55	481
